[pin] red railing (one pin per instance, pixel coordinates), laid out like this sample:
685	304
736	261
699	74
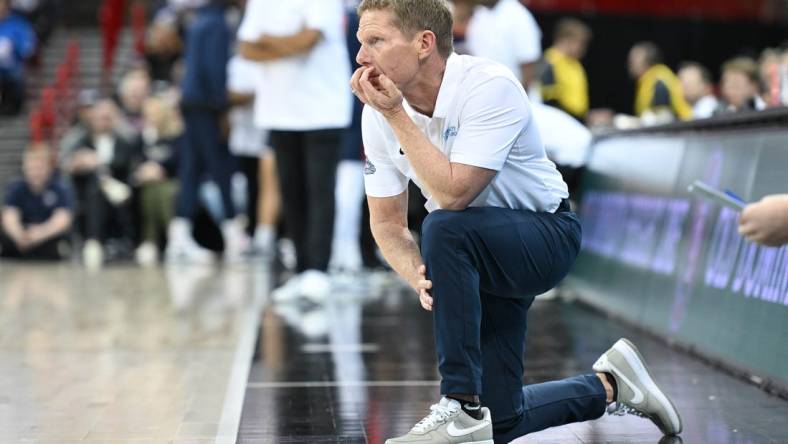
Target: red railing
57	103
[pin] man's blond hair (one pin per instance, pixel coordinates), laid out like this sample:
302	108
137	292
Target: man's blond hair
412	16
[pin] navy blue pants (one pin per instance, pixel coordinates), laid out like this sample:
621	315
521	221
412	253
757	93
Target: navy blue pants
203	153
486	266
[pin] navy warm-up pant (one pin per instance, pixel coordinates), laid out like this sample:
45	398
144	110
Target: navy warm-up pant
203	153
486	266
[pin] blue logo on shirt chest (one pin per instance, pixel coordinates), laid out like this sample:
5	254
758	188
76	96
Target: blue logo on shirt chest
450	132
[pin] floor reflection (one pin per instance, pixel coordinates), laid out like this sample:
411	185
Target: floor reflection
361	368
122	354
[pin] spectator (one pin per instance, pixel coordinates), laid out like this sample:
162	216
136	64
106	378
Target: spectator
42	16
204	102
156	173
658	94
766	221
134	89
17	43
81	126
505	31
769	77
38	211
248	141
739	86
100	168
163	49
306	102
697	86
564	81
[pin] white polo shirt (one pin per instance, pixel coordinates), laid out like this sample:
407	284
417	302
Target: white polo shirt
482	118
506	33
309	91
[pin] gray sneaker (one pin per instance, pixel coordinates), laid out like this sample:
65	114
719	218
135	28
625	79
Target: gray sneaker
447	423
638	394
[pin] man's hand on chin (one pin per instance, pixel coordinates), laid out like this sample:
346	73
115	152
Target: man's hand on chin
376	90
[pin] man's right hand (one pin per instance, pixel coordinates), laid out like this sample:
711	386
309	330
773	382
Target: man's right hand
422	285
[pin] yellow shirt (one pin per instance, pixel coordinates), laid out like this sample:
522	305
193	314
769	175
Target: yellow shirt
564	83
659	88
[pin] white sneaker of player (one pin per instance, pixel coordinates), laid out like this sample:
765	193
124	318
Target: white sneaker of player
236	241
181	246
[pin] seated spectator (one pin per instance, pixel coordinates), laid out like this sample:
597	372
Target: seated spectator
564	81
17	43
697	86
38	211
658	96
156	173
42	16
739	86
163	49
100	169
769	77
134	89
81	125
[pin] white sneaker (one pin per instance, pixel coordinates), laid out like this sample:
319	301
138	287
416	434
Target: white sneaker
345	257
289	291
447	423
93	254
147	254
236	242
181	246
638	394
315	285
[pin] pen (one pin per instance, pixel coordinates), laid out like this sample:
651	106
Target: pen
733	196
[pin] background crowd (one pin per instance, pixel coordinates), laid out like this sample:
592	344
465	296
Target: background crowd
235	130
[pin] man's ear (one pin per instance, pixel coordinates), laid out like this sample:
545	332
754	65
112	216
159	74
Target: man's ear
426	44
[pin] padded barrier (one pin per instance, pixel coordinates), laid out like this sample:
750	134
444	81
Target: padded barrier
673	263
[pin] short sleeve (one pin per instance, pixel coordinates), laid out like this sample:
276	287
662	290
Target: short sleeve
65	200
381	176
13	197
326	16
491	121
526	37
251	27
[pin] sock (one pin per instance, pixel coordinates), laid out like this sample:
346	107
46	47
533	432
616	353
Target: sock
612	381
264	236
473	409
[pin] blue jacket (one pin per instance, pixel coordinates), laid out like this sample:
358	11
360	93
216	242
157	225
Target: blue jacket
207	53
16	30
